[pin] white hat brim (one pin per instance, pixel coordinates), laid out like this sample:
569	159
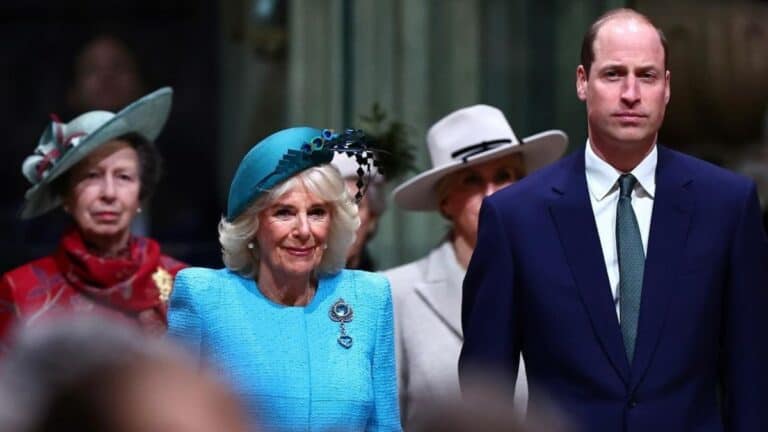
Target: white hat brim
419	192
146	116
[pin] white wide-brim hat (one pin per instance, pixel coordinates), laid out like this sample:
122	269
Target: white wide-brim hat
63	145
468	137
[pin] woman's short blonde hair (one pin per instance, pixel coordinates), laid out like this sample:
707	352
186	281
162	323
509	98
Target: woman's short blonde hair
322	181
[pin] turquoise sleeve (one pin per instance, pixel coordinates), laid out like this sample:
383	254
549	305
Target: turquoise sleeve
386	411
183	316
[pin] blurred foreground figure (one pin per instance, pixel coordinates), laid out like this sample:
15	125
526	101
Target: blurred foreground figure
89	374
486	407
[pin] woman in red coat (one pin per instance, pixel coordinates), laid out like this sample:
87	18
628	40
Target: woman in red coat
100	167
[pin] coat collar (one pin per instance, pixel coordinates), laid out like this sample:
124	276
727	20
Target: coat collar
441	289
602	178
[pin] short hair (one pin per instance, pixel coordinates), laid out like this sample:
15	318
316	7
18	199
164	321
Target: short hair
150	167
60	373
324	182
588	42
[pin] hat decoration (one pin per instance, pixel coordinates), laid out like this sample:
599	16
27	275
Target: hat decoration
355	144
296	157
320	150
53	145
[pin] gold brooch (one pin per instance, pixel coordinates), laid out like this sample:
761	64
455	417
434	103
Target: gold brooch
163	282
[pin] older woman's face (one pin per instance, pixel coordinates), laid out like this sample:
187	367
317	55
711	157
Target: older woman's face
468	187
292	234
103	194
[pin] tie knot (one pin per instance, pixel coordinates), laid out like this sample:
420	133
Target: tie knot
626	184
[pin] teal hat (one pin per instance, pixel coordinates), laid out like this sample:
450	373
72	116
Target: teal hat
286	153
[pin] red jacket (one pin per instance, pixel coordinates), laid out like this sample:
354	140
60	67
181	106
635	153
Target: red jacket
136	286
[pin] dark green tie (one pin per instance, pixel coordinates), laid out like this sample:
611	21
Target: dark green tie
631	263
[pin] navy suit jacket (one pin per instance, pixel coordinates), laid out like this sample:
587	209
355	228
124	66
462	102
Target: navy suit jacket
537	284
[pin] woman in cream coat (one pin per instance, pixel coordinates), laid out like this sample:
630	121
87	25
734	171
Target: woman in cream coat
474	152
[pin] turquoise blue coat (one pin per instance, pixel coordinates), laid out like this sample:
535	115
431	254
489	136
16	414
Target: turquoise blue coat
286	363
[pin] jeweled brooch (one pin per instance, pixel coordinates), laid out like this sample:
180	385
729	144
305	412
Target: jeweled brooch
342	313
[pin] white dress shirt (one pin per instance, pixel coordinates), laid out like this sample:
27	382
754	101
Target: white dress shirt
602	182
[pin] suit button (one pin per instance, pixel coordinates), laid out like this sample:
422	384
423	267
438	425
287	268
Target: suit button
632	403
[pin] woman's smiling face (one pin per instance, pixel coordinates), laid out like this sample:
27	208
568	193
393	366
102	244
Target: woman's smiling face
292	234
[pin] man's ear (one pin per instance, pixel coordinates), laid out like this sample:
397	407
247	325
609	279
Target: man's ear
581	83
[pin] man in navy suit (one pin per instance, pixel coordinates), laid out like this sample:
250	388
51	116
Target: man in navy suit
633	278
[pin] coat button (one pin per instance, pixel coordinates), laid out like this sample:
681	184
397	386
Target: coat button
632	403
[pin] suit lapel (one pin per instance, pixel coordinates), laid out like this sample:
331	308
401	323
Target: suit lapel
442	295
575	222
670	220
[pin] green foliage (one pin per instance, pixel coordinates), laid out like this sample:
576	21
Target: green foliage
391	140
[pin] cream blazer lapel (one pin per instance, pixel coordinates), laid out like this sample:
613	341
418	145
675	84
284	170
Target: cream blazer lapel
441	288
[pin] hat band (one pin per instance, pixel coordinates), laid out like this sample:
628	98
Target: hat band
469	151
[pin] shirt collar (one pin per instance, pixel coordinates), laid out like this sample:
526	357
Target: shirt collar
602	177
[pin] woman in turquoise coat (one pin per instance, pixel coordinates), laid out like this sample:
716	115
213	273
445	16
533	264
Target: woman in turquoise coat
306	345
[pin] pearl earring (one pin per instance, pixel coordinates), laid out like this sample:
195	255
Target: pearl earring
138	210
250	245
325	246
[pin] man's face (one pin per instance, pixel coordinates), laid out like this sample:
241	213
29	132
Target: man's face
627	89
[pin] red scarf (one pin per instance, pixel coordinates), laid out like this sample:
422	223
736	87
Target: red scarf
124	283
